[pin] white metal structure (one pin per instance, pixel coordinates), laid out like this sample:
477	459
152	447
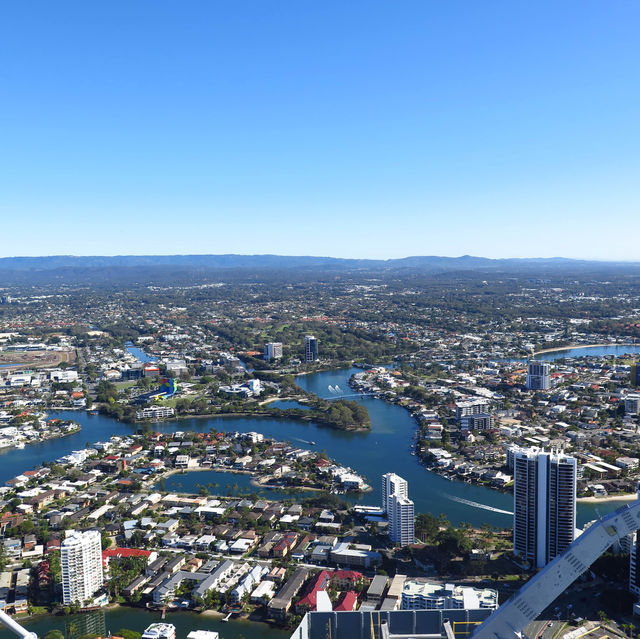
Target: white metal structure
513	616
10	623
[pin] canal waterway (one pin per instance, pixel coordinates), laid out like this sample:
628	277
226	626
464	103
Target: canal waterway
103	622
218	482
385	448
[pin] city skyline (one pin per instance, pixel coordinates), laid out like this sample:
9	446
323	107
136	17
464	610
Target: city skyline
375	131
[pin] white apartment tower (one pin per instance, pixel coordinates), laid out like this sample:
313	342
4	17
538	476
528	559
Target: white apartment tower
81	564
401	518
310	348
399	509
539	376
544	504
273	350
392	484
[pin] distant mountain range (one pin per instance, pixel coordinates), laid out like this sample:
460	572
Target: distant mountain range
231	261
141	270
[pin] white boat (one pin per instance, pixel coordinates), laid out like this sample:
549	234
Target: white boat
160	631
20	445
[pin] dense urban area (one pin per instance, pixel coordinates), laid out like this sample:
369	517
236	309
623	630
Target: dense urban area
176	512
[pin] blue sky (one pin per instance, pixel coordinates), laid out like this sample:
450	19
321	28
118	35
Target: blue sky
351	129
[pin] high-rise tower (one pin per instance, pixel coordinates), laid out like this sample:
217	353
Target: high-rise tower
81	564
538	376
544	504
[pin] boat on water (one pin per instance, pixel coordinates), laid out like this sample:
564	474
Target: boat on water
20	445
160	631
203	634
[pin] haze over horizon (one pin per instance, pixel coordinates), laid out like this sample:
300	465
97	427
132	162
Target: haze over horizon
368	130
284	256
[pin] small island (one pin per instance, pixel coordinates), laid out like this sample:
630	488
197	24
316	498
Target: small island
253	394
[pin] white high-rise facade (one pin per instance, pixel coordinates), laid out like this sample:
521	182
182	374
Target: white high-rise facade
392	484
401	518
81	564
539	376
399	509
273	350
544	504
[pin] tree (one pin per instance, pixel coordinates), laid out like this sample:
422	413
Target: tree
426	526
54	634
454	542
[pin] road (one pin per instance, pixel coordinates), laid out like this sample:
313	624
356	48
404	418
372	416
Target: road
541	629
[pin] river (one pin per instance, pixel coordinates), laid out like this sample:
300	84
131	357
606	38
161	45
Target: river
102	622
385	448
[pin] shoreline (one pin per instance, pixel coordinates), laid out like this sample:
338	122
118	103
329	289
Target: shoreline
304	418
608	498
255	481
572	346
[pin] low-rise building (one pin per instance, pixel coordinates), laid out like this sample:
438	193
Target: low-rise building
419	594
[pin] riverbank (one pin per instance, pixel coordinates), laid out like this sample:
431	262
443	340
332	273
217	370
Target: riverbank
282	414
198	469
262	475
44	437
608	498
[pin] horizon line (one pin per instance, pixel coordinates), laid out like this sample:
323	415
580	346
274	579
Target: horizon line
330	257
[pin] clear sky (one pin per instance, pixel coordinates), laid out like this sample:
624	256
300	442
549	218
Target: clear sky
346	128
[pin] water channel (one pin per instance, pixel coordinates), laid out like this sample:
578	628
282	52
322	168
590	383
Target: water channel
102	622
386	447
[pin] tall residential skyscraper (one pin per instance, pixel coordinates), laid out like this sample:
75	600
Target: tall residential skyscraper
634	558
310	348
392	484
634	566
401	518
538	376
635	374
399	509
273	350
544	503
81	564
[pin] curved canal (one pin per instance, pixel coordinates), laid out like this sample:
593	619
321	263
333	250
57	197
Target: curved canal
385	448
